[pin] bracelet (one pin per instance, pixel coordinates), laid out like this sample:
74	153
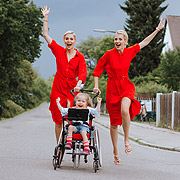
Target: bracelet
46	20
157	29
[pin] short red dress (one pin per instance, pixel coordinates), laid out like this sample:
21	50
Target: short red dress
118	84
66	77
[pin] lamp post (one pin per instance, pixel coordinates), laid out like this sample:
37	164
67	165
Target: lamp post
103	31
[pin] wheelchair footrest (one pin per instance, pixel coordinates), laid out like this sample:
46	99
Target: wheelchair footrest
78	153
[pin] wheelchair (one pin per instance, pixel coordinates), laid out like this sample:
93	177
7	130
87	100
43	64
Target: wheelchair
77	142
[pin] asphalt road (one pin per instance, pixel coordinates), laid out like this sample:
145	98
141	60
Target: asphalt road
27	143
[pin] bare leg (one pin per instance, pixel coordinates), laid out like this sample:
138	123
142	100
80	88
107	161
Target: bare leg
114	138
84	136
125	105
71	129
58	129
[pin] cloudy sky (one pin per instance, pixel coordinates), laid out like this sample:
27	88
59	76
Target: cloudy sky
83	16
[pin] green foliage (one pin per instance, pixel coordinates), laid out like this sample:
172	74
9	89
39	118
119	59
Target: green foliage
145	79
169	69
94	48
151	88
87	48
144	16
10	109
20	28
167	73
41	89
100	46
102	84
105	44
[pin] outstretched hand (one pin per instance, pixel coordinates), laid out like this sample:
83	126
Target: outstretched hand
58	99
45	11
99	99
160	25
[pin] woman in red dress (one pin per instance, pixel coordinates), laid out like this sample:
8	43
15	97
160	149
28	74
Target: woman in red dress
70	65
120	92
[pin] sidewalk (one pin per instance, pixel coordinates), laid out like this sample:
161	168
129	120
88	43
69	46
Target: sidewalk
148	135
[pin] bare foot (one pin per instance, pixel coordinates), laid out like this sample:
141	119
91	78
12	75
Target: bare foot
128	148
117	160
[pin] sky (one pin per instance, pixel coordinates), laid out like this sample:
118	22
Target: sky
83	16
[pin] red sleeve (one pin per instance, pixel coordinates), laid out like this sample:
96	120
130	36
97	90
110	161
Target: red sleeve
55	47
134	50
82	69
101	65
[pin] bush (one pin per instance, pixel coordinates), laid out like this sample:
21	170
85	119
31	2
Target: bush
11	109
151	88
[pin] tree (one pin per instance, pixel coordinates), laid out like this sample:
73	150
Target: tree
94	49
169	69
88	47
104	45
144	16
20	28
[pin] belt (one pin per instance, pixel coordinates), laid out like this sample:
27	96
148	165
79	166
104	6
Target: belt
118	78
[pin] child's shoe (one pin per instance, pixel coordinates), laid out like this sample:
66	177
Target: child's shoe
68	145
86	151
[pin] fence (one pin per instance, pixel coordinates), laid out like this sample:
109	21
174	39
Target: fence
168	109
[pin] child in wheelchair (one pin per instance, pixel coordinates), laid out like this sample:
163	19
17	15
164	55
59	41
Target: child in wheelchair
82	101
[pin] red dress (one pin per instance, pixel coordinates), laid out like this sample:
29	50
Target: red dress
118	84
65	78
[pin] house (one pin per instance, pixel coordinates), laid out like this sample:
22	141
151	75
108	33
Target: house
172	33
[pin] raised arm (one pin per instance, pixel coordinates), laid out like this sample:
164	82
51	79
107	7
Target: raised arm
99	104
58	104
148	39
45	11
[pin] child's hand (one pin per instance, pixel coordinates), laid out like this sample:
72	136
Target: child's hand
99	99
58	99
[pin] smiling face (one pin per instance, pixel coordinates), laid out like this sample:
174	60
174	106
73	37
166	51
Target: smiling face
81	101
69	41
120	42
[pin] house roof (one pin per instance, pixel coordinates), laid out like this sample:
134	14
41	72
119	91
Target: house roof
174	28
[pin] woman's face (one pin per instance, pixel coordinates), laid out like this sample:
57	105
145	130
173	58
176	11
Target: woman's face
119	42
81	102
69	41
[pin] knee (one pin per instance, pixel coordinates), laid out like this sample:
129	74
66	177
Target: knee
84	132
114	127
71	128
58	126
124	112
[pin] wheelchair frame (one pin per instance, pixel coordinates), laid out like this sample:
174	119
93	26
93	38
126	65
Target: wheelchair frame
77	145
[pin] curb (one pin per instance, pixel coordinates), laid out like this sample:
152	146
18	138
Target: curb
142	142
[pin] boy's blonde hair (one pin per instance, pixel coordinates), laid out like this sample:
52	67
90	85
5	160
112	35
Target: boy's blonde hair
69	32
88	98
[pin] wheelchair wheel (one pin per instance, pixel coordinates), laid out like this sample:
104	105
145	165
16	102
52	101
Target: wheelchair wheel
97	147
58	156
61	154
95	166
55	158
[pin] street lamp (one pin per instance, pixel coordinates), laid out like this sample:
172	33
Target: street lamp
103	31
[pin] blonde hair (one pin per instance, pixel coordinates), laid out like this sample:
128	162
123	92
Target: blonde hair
88	98
69	32
124	33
